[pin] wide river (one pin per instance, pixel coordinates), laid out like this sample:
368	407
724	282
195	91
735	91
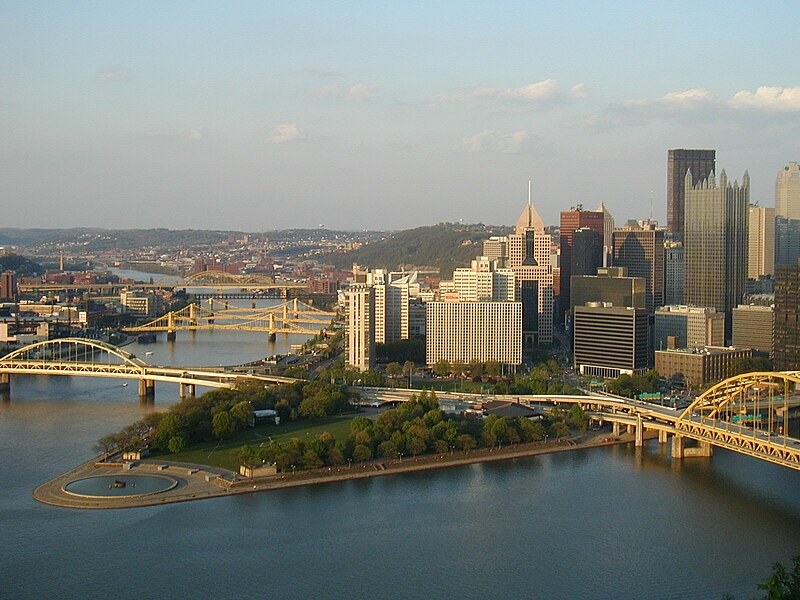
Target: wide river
605	523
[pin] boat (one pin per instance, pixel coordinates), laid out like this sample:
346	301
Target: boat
119	484
148	354
124	385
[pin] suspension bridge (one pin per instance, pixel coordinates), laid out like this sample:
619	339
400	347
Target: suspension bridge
292	316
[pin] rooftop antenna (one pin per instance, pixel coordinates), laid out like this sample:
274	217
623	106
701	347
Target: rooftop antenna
529	191
651	205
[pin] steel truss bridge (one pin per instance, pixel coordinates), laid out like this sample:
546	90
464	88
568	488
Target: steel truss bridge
748	413
293	316
220	280
79	357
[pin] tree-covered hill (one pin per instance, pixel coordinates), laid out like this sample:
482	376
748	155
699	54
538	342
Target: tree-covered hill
23	267
444	247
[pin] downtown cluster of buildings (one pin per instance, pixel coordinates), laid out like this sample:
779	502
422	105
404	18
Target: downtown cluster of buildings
717	284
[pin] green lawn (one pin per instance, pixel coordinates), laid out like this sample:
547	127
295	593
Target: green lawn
220	454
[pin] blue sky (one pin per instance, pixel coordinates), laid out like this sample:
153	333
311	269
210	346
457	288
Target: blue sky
381	115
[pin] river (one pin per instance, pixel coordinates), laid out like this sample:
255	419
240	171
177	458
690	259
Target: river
604	523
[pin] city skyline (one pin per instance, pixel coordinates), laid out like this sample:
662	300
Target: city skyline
380	116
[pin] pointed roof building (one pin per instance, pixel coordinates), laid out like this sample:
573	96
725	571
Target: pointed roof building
529	219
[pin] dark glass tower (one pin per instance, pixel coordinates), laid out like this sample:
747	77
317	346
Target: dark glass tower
701	163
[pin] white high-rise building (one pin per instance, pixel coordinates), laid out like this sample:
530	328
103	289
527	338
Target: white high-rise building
484	281
360	338
787	192
393	292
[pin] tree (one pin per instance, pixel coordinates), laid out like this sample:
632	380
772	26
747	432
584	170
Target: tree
222	424
408	369
783	584
466	442
442	367
492	368
393	369
246	456
176	444
361	453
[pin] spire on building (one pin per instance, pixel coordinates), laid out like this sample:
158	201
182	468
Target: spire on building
529	219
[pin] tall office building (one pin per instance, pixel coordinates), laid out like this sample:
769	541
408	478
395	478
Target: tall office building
587	252
360	339
571	221
8	286
484	281
787	241
715	228
608	230
787	317
679	161
674	272
609	341
610	285
761	242
393	293
787	192
641	252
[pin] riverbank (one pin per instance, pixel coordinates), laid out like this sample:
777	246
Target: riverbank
197	482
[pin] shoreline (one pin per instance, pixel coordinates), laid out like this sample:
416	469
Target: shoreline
198	482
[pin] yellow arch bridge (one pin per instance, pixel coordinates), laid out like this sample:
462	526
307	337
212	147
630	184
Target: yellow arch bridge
80	357
750	413
293	316
220	280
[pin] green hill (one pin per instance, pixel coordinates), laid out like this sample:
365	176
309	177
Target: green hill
441	247
23	267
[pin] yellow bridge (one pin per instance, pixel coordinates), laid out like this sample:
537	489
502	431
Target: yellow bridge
748	413
80	357
290	317
220	280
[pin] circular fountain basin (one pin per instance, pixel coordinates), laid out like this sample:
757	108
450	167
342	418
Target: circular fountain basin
119	486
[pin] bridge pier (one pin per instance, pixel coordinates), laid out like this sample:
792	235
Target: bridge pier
171	335
5	382
630	428
615	429
186	390
677	446
639	432
679	449
272	336
662	436
147	388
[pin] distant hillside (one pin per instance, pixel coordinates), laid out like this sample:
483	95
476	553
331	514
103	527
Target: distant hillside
104	239
23	267
444	247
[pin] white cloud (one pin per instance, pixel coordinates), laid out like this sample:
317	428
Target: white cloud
287	132
351	93
110	73
580	90
195	133
772	99
692	99
490	140
540	92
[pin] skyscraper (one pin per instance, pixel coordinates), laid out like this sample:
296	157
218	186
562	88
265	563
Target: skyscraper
787	317
679	161
787	192
674	273
641	251
360	339
571	221
587	252
716	243
761	244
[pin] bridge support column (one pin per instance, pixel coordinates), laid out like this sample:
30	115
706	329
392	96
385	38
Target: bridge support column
630	428
639	432
272	336
678	444
662	436
703	449
147	388
186	390
5	382
615	429
171	335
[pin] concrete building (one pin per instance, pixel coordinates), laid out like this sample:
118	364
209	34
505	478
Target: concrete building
787	241
787	192
641	252
393	292
699	366
754	327
787	317
571	221
612	285
360	338
609	341
608	230
674	272
484	281
474	331
761	242
8	286
496	248
688	327
679	161
140	303
587	252
715	230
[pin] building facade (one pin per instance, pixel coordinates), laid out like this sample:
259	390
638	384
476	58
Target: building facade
787	241
674	272
687	327
611	285
474	331
679	161
787	317
754	327
641	252
8	286
360	338
699	366
761	242
716	237
571	221
609	341
787	192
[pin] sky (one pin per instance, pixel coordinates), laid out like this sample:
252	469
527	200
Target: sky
381	115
